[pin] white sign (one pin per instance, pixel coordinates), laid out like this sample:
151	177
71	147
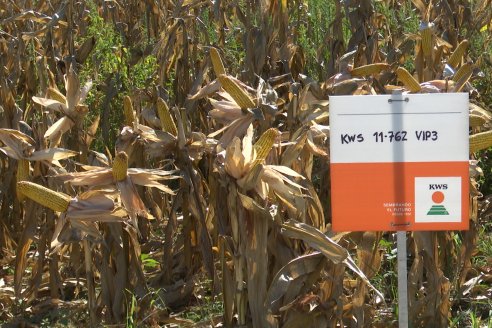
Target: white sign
399	162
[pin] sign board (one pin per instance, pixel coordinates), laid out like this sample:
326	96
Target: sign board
399	162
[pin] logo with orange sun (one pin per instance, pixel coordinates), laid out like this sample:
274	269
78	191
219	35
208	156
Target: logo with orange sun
438	209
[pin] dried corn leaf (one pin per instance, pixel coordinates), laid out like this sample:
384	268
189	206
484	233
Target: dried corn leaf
51	104
315	239
58	129
325	245
300	266
52	154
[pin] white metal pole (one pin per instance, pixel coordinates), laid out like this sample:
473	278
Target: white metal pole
401	249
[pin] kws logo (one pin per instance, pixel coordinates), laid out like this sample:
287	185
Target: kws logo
437	199
438	186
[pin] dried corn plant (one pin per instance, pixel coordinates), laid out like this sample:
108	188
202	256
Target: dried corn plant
150	150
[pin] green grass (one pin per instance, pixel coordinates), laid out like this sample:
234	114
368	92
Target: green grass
478	316
386	281
484	244
207	307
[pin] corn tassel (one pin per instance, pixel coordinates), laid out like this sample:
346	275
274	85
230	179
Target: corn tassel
217	64
480	141
120	166
263	146
56	201
167	122
56	95
369	69
128	112
455	58
407	79
237	93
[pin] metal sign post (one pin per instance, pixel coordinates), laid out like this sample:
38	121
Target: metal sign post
396	102
401	249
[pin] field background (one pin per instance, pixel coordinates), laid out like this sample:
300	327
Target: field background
223	106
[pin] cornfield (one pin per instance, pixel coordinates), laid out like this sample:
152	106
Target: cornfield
163	158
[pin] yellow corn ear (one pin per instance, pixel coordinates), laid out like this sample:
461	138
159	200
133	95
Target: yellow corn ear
369	69
480	141
128	113
477	120
427	45
217	64
237	93
263	146
120	166
57	201
465	70
56	95
458	53
407	79
167	121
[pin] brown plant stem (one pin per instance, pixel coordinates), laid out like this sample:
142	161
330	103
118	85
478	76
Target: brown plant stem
90	282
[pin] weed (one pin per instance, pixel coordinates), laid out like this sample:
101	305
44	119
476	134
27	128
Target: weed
207	307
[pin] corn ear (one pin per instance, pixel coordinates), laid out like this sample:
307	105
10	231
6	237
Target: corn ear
56	95
369	69
263	146
237	93
480	141
407	79
120	166
56	201
458	53
462	77
477	120
217	64
128	113
465	70
427	45
167	121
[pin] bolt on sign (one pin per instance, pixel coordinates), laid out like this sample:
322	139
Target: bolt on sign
399	162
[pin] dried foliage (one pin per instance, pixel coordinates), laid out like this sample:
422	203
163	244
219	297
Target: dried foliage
217	116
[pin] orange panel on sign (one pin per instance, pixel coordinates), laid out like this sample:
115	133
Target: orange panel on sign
400	196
